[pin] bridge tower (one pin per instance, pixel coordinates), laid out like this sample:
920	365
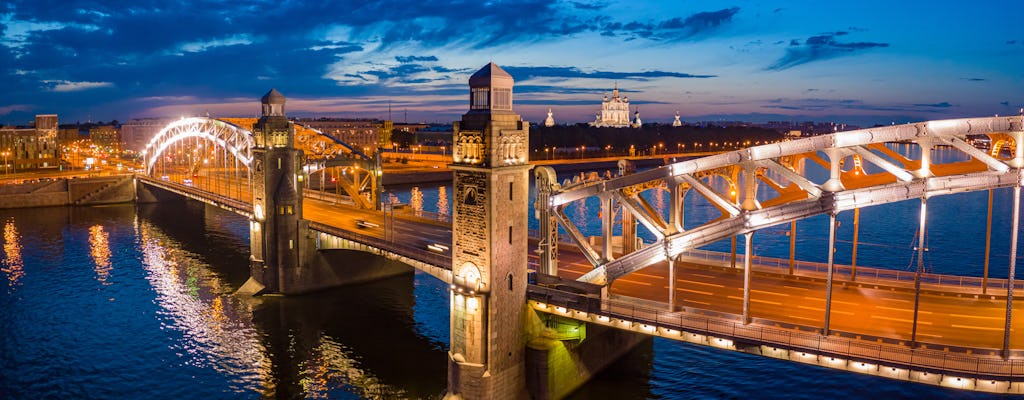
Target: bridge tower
277	229
490	162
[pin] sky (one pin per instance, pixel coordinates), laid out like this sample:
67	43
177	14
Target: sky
859	62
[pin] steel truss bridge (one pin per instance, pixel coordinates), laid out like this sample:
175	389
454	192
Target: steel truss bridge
220	150
586	280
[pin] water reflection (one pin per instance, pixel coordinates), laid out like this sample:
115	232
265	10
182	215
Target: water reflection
13	266
416	201
442	203
216	328
99	247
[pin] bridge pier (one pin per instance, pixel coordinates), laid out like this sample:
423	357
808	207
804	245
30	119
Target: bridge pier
564	354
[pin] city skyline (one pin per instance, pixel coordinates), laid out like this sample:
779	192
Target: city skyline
870	63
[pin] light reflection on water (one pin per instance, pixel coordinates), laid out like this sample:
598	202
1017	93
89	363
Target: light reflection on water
100	249
13	266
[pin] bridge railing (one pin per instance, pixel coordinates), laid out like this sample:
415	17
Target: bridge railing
727	327
864	274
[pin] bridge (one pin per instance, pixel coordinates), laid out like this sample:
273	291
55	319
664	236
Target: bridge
611	290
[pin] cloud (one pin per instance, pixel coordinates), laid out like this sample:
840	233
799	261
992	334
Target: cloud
198	46
68	86
820	47
409	59
936	105
835	105
974	79
699	23
523	73
1005	103
4	110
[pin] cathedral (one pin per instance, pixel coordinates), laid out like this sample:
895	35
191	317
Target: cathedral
614	112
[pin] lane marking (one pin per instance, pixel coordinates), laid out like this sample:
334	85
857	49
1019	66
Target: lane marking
902	309
695	291
822	310
833	300
983	328
978	317
774	303
696	302
700	283
908	321
771	293
805	318
633	282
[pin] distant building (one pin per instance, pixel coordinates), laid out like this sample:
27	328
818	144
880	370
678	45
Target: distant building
614	112
362	134
636	119
137	133
550	120
31	148
106	137
677	122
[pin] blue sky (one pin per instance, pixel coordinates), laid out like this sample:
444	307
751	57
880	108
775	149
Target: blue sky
861	62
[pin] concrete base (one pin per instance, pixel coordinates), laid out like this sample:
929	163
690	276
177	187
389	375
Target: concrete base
555	368
325	269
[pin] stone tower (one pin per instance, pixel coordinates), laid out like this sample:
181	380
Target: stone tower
489	231
276	228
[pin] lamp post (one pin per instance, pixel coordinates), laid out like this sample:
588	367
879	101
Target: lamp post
607	151
5	154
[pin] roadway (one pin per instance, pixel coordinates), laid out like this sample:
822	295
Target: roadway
946	318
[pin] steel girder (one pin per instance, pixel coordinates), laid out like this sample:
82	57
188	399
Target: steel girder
901	179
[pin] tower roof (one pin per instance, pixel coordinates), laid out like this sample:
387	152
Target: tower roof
489	75
273	97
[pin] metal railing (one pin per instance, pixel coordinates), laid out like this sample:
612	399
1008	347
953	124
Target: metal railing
876	275
727	327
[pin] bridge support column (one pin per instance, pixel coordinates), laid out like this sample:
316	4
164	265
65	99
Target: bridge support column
792	246
1013	268
671	284
856	233
547	246
920	267
988	244
748	239
831	270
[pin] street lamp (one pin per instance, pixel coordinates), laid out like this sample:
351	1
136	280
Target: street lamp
6	154
607	151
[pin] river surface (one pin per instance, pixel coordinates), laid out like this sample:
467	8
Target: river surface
129	302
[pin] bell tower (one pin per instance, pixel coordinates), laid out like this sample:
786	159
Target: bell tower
276	226
491	168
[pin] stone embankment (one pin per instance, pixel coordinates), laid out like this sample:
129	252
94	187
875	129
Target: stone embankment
64	192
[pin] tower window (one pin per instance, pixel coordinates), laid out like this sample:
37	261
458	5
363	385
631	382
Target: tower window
479	99
510	191
510	235
502	99
509	279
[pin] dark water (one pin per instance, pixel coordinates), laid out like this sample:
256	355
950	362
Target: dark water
135	302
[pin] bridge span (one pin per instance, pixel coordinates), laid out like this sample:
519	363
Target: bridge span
939	329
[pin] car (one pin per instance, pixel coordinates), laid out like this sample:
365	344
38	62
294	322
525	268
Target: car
366	224
165	178
437	248
187	182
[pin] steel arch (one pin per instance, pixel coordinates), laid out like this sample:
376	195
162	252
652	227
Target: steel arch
235	139
901	179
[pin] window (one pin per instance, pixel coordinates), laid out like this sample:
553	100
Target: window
509	279
510	235
502	99
510	191
478	99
